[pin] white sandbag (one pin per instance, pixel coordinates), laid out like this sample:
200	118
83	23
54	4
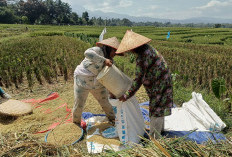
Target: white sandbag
194	110
193	115
182	120
179	120
211	114
203	113
129	120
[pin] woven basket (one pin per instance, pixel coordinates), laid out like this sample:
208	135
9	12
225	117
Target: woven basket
15	108
114	80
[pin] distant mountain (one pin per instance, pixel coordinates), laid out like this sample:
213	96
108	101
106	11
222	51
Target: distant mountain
206	20
108	15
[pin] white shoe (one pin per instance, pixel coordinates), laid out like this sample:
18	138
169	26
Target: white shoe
6	96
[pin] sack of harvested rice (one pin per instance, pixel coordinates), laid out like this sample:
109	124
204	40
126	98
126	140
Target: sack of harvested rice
129	120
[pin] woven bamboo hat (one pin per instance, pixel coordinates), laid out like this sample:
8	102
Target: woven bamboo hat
130	41
111	42
15	108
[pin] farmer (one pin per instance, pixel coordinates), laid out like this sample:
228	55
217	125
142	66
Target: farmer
85	78
4	94
151	72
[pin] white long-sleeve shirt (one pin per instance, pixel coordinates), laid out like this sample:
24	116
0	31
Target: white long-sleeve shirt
92	64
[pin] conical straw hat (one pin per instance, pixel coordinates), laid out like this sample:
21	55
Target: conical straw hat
15	108
130	41
112	42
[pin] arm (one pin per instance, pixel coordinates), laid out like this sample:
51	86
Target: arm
136	84
93	55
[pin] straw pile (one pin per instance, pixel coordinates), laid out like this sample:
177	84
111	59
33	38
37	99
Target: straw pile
64	134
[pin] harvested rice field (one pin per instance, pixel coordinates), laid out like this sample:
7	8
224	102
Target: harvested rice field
47	64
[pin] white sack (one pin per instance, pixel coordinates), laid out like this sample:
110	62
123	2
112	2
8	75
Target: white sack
194	114
129	120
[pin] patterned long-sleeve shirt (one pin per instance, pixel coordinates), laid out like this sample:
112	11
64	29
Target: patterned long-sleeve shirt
153	73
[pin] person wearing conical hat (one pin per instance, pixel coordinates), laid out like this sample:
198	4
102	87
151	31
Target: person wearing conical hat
153	73
85	78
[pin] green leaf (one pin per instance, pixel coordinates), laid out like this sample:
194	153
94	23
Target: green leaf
219	87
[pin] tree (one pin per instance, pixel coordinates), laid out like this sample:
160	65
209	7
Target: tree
167	24
90	22
63	12
32	9
218	25
74	18
85	17
3	3
7	15
80	21
99	21
25	20
49	17
126	22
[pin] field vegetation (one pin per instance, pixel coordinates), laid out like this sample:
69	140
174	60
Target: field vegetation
35	60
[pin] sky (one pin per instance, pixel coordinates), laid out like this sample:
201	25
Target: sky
165	9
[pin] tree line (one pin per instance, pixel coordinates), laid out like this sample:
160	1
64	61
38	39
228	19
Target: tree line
38	12
49	12
56	12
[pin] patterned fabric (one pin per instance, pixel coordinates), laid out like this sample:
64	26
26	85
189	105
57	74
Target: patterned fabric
88	82
153	73
85	81
82	86
92	64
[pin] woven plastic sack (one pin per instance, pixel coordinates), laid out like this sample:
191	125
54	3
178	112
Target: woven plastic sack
129	120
